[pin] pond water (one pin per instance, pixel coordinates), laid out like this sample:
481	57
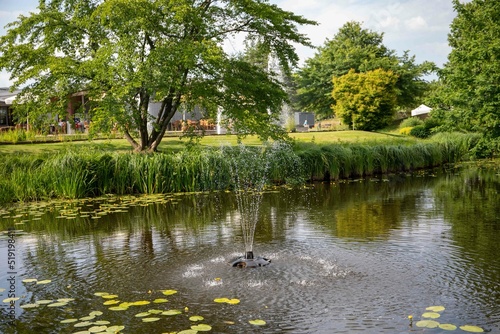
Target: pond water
357	256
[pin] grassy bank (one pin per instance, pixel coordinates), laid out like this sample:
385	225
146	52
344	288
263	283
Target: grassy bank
86	171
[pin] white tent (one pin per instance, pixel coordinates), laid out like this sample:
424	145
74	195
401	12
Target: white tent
421	110
10	100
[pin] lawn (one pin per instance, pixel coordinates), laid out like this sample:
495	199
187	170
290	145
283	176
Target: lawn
177	143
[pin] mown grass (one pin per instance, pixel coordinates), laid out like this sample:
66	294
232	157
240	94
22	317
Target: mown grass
84	169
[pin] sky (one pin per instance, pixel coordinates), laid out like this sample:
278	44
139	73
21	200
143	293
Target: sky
418	26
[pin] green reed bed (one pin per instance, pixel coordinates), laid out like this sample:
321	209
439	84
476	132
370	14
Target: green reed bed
88	173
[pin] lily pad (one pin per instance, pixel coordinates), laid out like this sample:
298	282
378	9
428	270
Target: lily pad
58	304
152	319
435	308
89	317
101	322
118	308
100	294
68	321
8	300
188	331
202	328
472	329
141	302
142	314
153	311
96	313
109	296
432	315
427	323
448	327
45	281
111	302
233	301
44	301
257	322
168	292
115	329
65	300
97	329
160	300
29	306
29	280
221	300
171	312
196	318
83	324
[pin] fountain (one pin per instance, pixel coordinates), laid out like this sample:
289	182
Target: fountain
249	171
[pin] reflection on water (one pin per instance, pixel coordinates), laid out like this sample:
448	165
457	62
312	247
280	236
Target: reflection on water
357	256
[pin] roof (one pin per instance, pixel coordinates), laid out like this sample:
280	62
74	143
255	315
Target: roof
421	110
7	96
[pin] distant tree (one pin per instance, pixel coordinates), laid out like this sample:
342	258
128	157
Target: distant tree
472	74
361	50
365	101
125	54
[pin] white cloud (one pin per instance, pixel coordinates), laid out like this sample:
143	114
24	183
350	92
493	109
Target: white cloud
416	23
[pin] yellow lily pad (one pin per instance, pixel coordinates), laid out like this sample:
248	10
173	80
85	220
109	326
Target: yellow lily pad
168	292
257	322
196	318
472	329
44	301
100	294
152	319
115	329
448	327
83	324
96	313
160	300
8	300
188	331
435	308
221	300
142	314
153	311
109	296
140	303
233	301
65	300
45	281
89	317
110	302
58	304
118	308
202	328
427	323
101	322
432	315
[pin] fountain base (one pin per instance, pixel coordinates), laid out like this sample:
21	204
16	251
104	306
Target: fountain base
248	261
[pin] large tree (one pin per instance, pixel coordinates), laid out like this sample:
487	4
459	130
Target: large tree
361	50
127	53
365	101
472	74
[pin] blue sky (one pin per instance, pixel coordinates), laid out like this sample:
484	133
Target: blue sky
420	26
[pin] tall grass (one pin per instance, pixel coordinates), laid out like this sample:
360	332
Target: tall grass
87	173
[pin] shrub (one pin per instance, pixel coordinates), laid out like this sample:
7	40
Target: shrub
420	131
411	122
405	131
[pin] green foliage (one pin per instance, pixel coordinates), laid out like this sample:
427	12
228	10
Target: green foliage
362	50
125	54
472	73
365	101
420	131
411	122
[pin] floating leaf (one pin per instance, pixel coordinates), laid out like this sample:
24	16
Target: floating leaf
233	301
188	331
196	318
257	322
83	324
432	315
29	306
125	304
45	281
81	332
228	322
427	323
109	296
202	328
68	321
65	300
111	302
96	313
97	329
101	322
140	303
150	319
171	312
472	329
89	317
100	294
221	300
160	300
29	280
448	327
115	329
58	304
44	301
8	300
142	314
435	308
168	292
118	308
153	311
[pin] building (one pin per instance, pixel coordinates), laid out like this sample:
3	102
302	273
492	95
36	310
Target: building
6	100
422	111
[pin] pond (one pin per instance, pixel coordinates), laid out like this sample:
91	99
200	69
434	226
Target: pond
356	256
